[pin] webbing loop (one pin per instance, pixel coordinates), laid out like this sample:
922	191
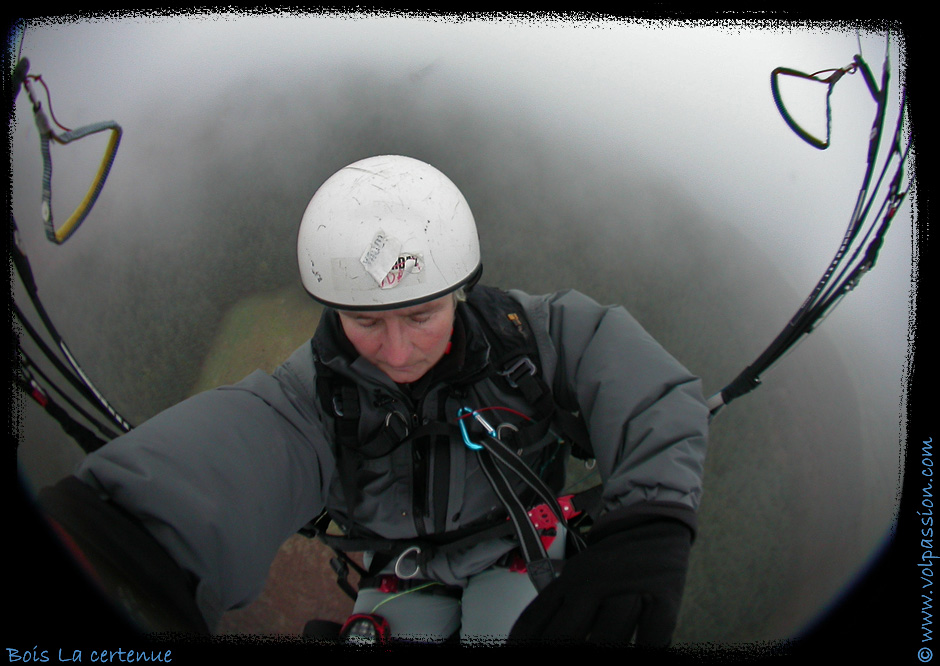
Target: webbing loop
830	81
78	216
46	135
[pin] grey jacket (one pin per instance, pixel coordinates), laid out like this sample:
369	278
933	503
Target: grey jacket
224	478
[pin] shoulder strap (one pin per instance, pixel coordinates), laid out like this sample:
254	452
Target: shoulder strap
515	357
341	400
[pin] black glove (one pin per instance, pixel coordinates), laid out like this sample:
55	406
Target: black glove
629	580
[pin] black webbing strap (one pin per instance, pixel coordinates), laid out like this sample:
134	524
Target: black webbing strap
494	458
515	358
539	566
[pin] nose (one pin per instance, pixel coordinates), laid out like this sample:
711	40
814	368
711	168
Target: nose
396	348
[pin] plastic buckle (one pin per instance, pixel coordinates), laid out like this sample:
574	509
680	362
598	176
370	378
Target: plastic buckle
512	375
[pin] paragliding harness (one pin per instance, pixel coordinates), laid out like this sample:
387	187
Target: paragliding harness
514	362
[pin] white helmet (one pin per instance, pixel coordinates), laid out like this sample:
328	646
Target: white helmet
387	232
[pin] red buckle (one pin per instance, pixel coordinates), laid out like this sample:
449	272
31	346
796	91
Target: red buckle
543	518
517	565
388	584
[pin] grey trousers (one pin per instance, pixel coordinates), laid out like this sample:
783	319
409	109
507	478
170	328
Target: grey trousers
490	605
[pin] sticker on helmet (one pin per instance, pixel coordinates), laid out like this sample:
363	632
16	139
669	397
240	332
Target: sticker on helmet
406	264
380	256
386	263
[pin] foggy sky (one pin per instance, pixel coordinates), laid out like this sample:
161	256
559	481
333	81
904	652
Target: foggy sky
691	101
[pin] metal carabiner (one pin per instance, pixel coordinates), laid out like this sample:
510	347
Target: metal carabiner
489	429
462	414
410	549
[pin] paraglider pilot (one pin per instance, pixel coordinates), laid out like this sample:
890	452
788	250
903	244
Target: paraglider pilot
428	422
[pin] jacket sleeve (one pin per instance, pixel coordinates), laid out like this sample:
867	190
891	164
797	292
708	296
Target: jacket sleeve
646	414
223	478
